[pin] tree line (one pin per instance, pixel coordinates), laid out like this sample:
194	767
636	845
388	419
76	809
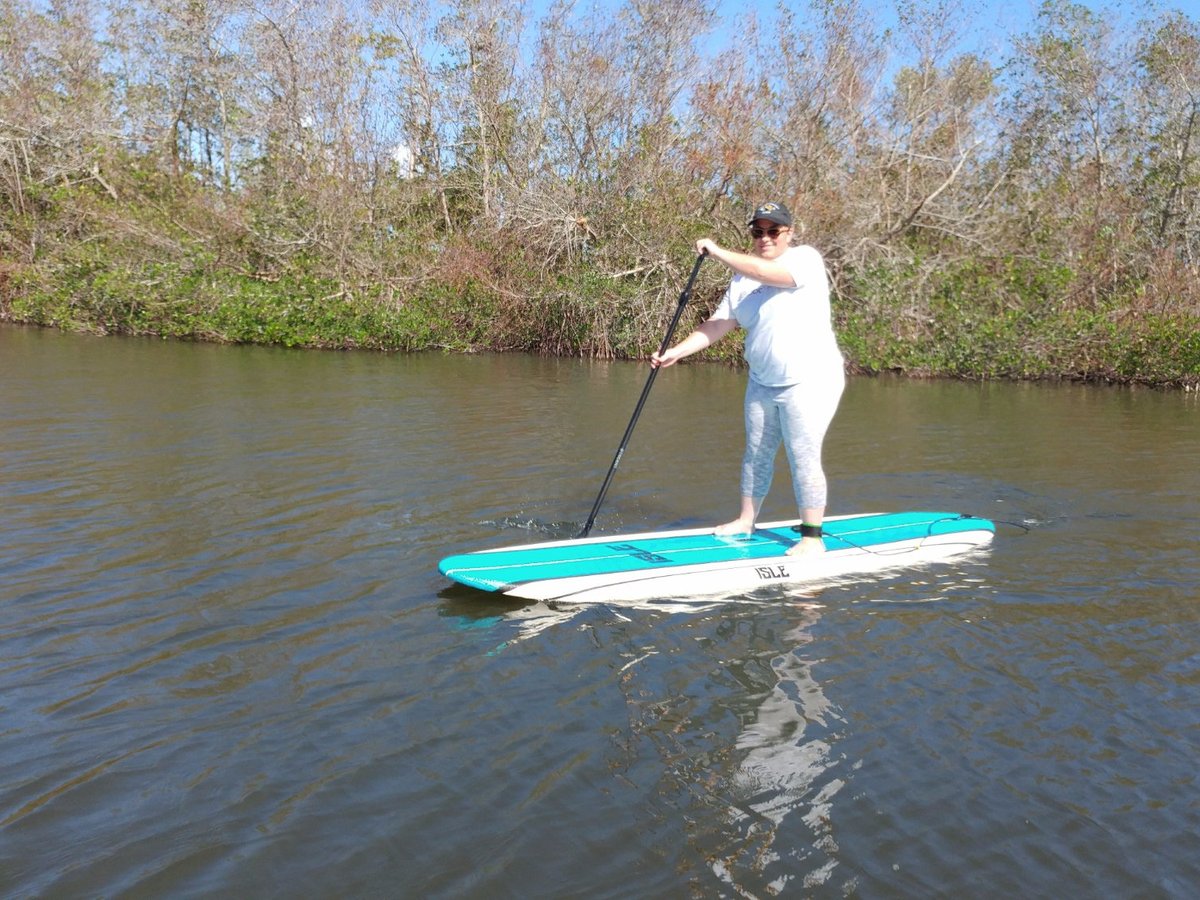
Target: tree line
475	174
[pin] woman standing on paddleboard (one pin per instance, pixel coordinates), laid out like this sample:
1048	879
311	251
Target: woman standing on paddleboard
780	295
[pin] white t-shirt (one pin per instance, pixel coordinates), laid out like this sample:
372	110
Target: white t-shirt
789	331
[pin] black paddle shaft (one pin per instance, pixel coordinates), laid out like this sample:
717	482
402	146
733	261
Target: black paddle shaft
666	341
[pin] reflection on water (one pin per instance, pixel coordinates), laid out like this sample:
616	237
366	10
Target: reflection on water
784	770
763	801
528	619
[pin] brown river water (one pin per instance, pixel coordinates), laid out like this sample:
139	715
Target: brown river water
229	666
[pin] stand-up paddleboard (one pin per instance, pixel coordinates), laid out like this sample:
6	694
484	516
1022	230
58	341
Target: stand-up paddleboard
696	562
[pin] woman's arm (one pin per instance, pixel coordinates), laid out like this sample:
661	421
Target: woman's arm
767	271
706	334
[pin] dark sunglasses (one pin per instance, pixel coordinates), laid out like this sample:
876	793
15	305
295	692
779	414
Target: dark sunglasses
773	232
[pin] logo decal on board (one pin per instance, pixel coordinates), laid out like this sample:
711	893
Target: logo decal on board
638	553
770	573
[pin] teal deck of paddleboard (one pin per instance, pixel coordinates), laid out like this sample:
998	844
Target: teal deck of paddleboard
493	569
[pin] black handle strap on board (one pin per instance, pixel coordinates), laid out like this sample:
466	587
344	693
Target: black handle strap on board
684	296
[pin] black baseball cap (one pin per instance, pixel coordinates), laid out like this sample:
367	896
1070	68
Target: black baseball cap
772	212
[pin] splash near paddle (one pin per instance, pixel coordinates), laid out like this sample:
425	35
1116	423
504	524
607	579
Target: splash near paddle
696	562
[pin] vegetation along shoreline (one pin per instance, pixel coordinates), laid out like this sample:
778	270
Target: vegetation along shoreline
1023	204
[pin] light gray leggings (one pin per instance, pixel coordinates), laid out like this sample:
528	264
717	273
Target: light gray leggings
797	416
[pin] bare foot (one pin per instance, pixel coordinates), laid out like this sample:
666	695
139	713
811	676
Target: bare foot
737	526
809	546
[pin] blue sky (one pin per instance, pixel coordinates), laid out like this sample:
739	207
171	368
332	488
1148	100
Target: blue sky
992	23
